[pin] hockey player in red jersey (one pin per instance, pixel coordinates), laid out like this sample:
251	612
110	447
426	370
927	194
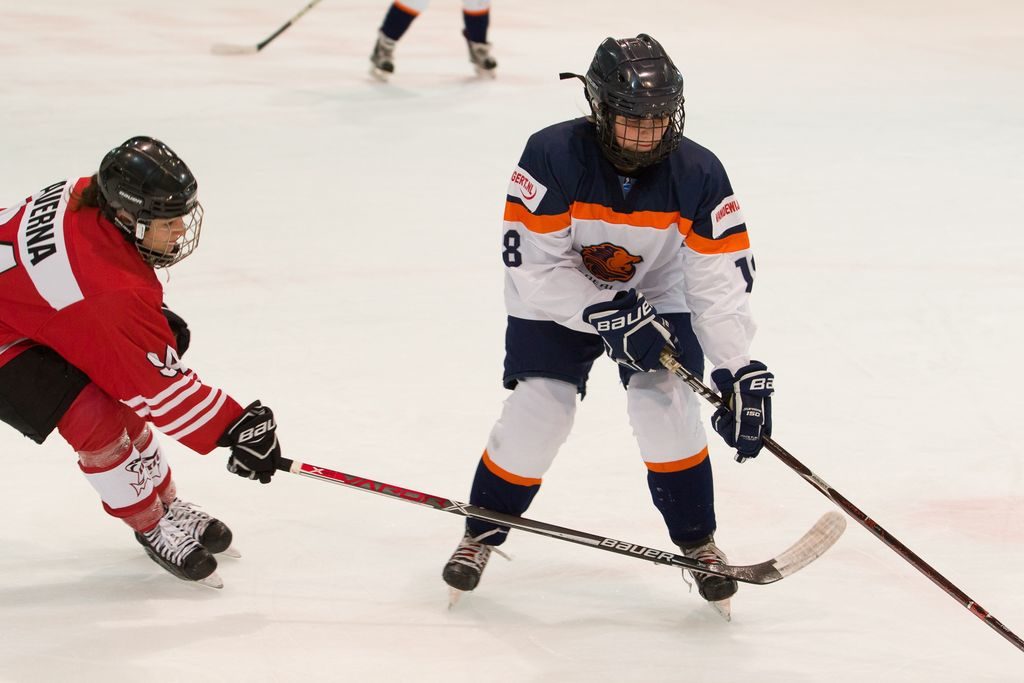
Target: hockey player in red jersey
621	235
87	348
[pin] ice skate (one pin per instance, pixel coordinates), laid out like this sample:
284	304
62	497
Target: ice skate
467	564
383	58
212	533
179	553
715	589
480	57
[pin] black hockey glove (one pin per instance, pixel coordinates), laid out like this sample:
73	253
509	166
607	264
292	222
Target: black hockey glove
748	395
179	328
255	452
632	332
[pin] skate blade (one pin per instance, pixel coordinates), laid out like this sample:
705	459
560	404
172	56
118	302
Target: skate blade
485	73
212	581
723	607
380	74
230	551
454	595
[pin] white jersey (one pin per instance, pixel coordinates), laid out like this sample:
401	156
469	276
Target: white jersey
575	232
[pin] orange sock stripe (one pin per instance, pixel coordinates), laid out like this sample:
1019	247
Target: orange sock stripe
678	465
476	13
407	10
507	476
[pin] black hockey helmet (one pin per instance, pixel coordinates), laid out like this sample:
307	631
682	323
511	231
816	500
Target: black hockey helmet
142	179
634	77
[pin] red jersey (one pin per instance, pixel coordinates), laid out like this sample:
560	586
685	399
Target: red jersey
70	280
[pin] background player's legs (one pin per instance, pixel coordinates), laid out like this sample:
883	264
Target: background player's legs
476	16
399	17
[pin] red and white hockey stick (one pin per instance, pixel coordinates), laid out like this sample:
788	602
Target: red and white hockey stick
811	545
670	362
224	49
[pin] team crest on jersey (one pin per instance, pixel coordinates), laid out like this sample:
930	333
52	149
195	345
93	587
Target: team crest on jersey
610	262
526	188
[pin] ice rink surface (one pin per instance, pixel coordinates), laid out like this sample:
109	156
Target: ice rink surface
349	276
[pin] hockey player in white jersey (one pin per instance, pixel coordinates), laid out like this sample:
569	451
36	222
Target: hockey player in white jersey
621	235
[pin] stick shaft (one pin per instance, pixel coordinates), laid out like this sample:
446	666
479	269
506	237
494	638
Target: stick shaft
262	44
821	536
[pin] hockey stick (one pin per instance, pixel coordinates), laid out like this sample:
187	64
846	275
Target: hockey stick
223	49
670	362
811	545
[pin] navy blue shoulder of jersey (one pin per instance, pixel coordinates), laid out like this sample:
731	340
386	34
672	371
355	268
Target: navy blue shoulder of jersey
558	157
702	184
566	158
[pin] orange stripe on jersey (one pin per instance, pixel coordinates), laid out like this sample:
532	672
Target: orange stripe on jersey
517	213
407	10
659	220
507	476
678	465
702	245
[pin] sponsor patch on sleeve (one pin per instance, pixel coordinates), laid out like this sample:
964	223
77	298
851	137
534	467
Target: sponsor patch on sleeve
526	188
725	216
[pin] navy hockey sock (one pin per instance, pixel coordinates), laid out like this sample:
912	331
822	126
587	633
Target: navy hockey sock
686	499
476	26
494	493
396	22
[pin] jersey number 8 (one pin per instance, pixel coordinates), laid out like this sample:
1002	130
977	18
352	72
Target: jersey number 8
510	255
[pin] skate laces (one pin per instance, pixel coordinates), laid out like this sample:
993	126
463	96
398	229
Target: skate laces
472	553
170	542
706	553
188	517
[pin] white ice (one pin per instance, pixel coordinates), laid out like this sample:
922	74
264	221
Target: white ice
349	276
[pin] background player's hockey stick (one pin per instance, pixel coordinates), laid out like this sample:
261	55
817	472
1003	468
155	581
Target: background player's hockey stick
222	49
816	541
670	362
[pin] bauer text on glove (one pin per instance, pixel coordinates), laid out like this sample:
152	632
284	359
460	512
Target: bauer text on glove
746	417
632	332
255	451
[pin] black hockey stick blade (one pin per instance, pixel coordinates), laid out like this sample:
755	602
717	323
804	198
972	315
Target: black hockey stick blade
825	532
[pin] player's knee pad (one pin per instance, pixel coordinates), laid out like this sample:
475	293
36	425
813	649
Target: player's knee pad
535	421
665	416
